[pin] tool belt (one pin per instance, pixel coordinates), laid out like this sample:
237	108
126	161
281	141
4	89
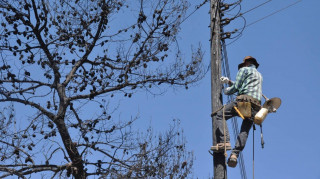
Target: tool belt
245	103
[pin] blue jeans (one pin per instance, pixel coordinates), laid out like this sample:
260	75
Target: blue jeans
246	125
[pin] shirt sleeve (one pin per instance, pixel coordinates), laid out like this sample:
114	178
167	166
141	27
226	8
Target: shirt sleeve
237	84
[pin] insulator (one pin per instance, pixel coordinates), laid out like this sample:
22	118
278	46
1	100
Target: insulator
225	35
225	21
224	7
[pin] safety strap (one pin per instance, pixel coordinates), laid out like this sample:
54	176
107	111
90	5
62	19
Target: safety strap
239	113
262	145
262	141
254	128
224	133
217	110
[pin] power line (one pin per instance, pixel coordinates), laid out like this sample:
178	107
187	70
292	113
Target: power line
273	13
256	7
241	15
197	8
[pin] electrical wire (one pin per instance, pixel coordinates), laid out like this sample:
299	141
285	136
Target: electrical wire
241	14
226	72
245	25
256	7
242	29
238	3
273	13
197	8
239	33
244	19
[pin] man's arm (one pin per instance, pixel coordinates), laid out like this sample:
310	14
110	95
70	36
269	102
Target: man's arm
235	86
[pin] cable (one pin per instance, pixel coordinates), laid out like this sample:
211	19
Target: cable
226	72
242	29
273	13
238	3
197	8
241	15
256	7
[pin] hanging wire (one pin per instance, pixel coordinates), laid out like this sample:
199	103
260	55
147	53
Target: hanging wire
241	30
245	26
239	14
240	33
226	70
254	128
235	127
244	20
235	4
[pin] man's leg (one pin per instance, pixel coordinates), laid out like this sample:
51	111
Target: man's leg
240	143
228	113
242	137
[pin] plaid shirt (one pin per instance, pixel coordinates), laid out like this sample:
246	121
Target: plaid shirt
248	82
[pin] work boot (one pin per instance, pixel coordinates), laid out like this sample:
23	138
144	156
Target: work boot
220	147
232	161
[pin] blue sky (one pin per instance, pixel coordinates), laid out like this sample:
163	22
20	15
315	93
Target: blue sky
287	48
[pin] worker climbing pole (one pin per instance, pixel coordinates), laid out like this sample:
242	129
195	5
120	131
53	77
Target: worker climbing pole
248	86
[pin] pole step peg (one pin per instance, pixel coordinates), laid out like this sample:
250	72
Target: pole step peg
220	147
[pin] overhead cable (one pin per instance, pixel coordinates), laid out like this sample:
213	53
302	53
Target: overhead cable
273	13
256	7
197	8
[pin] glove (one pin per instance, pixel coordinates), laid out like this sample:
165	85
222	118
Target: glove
226	91
224	79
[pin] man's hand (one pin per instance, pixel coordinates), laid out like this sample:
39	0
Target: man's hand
224	79
226	91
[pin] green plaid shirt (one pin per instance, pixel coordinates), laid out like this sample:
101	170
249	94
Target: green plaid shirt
248	82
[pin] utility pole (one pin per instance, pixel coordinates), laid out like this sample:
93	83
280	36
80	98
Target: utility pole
219	161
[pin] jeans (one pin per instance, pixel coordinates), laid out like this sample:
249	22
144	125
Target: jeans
246	125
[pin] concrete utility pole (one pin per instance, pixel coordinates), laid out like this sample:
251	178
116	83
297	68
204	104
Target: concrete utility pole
219	161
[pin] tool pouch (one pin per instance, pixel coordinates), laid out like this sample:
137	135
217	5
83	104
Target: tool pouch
245	104
244	108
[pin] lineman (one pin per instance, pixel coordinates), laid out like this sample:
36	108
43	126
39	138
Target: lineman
248	86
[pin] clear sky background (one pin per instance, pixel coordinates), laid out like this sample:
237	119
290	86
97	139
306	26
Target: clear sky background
287	47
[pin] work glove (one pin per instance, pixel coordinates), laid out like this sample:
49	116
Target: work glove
224	79
226	91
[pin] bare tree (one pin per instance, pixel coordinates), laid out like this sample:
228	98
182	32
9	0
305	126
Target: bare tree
59	57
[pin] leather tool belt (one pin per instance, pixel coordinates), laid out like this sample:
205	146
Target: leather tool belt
245	103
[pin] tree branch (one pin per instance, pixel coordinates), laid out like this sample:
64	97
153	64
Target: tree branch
32	104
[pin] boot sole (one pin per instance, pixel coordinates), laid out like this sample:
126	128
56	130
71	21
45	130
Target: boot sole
232	163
